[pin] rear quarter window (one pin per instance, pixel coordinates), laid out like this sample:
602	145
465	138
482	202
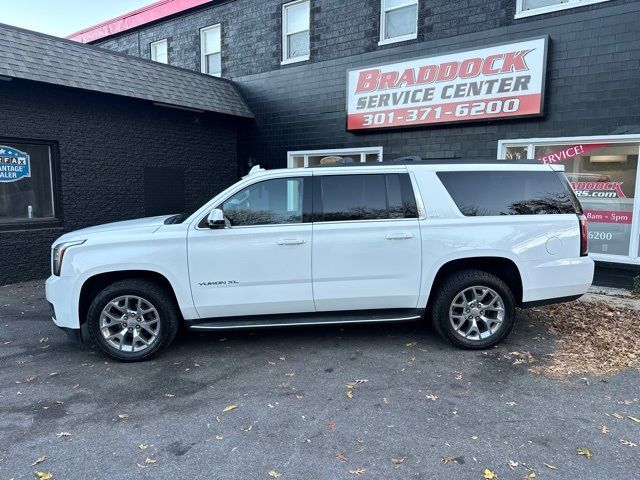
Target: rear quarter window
510	193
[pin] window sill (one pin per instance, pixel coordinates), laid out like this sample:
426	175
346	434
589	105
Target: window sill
404	38
555	8
295	60
35	224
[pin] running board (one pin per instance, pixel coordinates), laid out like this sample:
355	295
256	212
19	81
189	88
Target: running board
305	319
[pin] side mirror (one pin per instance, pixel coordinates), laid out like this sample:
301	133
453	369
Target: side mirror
215	219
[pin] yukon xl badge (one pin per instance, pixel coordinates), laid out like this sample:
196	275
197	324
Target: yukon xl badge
218	284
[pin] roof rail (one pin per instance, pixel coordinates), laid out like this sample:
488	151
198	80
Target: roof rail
415	160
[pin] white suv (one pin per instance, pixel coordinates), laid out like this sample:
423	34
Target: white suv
463	244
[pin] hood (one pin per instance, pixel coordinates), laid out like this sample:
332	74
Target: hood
110	227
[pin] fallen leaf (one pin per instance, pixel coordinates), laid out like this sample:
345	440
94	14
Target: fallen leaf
633	419
150	460
143	446
63	434
59	402
123	416
604	429
219	437
410	344
531	475
448	459
39	460
350	393
341	456
628	443
169	395
488	474
431	397
229	408
584	452
618	416
274	474
385	400
552	467
511	404
512	464
44	475
357	471
397	461
331	426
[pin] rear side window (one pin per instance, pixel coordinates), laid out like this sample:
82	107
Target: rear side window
364	197
509	193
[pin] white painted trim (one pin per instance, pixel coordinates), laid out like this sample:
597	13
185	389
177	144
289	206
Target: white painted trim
633	256
285	46
520	13
164	41
403	38
203	54
334	151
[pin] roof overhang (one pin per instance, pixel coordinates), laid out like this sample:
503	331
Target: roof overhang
142	16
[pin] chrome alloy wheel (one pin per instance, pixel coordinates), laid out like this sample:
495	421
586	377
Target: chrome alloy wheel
476	313
130	324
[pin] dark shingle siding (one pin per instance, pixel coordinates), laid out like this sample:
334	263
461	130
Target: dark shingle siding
32	56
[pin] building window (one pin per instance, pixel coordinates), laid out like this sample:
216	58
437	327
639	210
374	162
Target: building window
603	172
398	20
211	50
527	8
310	158
160	51
295	31
27	185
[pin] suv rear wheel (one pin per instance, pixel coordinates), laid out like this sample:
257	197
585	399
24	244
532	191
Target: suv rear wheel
132	320
473	309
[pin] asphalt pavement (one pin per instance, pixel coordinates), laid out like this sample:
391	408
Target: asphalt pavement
371	402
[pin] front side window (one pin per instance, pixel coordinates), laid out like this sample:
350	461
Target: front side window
277	201
26	182
398	21
365	197
295	31
211	50
526	8
160	51
509	193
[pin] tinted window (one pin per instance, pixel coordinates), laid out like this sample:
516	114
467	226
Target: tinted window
266	203
366	197
509	193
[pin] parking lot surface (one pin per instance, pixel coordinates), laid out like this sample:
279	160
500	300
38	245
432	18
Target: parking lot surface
383	402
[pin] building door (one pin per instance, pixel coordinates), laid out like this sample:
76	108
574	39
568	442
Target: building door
366	242
260	263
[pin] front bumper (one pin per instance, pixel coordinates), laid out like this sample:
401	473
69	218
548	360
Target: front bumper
61	296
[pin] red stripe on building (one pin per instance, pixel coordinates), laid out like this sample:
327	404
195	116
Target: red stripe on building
137	18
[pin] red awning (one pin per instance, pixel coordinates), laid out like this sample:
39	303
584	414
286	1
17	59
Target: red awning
142	16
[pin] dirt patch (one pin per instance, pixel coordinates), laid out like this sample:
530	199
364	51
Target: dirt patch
596	338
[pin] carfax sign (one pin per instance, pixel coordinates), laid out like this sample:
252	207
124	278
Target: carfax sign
14	164
501	81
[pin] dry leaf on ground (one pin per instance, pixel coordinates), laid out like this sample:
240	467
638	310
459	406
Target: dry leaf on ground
274	474
488	474
448	459
341	456
584	452
39	460
229	408
44	475
397	461
595	338
357	471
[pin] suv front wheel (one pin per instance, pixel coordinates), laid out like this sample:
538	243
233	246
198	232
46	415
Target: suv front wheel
473	309
132	320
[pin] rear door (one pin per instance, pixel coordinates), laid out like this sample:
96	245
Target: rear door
366	241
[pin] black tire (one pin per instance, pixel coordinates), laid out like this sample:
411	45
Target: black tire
151	292
448	291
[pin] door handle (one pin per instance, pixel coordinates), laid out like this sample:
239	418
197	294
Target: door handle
398	236
291	241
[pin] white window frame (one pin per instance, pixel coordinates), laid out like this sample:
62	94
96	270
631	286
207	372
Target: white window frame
203	53
632	258
521	13
153	46
383	23
338	152
285	45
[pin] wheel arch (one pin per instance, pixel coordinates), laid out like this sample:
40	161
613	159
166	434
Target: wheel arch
502	267
96	283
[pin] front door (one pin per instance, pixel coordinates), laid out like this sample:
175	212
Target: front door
261	262
366	242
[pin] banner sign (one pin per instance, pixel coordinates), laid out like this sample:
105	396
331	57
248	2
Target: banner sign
14	165
502	81
573	151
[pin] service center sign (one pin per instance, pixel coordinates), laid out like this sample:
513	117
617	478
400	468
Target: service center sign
501	81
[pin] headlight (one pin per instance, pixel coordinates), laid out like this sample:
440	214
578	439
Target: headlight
58	254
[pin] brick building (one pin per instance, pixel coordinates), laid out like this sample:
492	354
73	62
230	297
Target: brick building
301	67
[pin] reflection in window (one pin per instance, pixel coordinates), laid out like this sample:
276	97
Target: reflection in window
211	50
276	201
295	31
399	20
26	186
